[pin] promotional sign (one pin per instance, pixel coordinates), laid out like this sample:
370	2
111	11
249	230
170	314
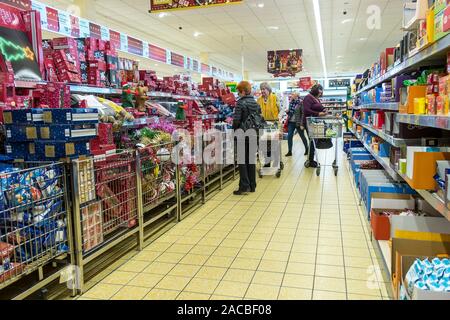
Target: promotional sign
52	19
177	60
41	9
75	26
64	24
22	4
96	31
339	83
157	53
85	32
114	37
305	83
166	5
285	63
105	33
135	46
206	69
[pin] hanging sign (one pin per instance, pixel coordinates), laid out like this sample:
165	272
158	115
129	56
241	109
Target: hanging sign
305	83
205	69
339	83
166	5
64	23
145	49
104	31
52	19
74	26
157	53
284	63
41	9
177	60
135	46
85	32
114	37
123	42
22	4
96	31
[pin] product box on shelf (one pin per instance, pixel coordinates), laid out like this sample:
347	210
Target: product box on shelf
86	180
70	116
21	117
54	150
8	94
393	201
381	224
92	225
21	133
68	132
25	151
408	95
439	21
421	166
97	65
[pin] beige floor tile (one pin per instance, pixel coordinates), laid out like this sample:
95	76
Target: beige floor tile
276	255
330	284
357	252
330	271
223	298
301	268
162	295
360	297
304	248
158	247
245	264
203	250
302	257
189	296
357	273
119	277
272	266
326	295
159	268
298	281
195	259
232	289
262	292
232	243
268	278
146	280
204	286
295	294
102	291
251	253
330	260
131	293
260	237
363	287
239	235
117	264
134	266
358	262
173	283
180	248
148	256
330	250
212	273
258	245
184	270
169	257
239	275
217	261
226	252
210	241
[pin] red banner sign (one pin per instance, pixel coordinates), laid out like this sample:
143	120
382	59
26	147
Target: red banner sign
52	19
305	83
20	4
114	37
96	30
285	62
135	46
206	68
157	53
75	26
177	59
165	5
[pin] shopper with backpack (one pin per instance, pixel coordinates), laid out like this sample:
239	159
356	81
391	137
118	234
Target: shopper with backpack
247	116
295	116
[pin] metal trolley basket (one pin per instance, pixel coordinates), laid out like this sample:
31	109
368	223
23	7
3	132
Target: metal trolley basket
270	134
322	131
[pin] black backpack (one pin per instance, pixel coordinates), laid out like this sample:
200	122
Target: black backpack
253	121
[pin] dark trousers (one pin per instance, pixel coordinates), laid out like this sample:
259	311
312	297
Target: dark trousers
247	171
291	133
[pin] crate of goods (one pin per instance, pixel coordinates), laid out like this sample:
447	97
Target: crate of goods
421	166
86	180
381	224
92	225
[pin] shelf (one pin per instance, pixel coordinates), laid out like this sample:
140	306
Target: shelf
416	60
93	90
433	200
174	96
389	139
379	106
440	122
384	162
386	253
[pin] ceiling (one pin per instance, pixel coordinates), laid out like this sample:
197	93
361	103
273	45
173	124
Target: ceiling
350	46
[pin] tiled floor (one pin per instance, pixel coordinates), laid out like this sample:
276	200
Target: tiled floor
300	237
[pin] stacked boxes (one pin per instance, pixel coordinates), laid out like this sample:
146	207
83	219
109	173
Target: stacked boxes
92	225
50	134
86	181
52	95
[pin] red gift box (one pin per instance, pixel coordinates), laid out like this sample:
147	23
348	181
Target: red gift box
91	44
69	77
64	43
101	45
97	64
7	77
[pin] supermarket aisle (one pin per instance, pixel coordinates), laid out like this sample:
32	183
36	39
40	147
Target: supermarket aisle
300	237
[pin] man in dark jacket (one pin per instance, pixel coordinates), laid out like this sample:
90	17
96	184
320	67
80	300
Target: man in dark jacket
246	106
312	107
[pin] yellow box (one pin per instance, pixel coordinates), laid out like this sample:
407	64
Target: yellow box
420	106
413	92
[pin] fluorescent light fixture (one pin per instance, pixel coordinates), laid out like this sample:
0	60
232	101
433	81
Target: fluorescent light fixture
260	5
362	39
197	34
346	21
273	28
320	35
163	14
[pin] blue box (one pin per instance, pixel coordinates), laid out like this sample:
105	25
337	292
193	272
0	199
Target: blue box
23	116
55	150
385	150
71	116
68	132
21	133
21	151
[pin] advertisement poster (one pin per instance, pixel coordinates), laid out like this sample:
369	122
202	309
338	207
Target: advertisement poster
177	60
85	32
114	37
52	19
105	33
305	83
157	53
41	8
96	31
75	26
165	5
64	23
22	4
285	63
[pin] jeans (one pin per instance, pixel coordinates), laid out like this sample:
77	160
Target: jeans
247	171
291	133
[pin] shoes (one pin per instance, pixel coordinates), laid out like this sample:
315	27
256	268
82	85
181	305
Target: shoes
289	154
313	164
240	193
267	165
306	153
252	190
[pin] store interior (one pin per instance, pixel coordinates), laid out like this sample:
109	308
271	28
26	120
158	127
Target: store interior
104	197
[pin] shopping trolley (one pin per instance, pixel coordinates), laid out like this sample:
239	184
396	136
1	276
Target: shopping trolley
322	131
269	135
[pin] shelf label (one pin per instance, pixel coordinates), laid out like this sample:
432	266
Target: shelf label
64	23
41	9
105	35
123	42
85	32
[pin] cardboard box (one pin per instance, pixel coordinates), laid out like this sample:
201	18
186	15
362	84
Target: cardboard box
25	151
421	166
68	132
439	32
54	150
29	116
70	116
21	133
392	201
380	224
86	180
408	95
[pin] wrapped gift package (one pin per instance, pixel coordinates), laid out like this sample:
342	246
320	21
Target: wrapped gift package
68	132
71	116
29	116
55	150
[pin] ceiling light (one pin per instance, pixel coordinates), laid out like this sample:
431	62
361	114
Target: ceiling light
362	39
197	34
346	21
163	14
320	35
260	5
339	57
273	28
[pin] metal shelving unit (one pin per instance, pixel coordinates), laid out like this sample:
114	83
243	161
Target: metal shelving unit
391	106
416	60
439	122
396	142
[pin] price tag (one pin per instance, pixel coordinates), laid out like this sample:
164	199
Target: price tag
105	35
123	42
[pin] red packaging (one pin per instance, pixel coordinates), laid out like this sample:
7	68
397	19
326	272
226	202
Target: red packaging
64	43
440	105
431	104
105	133
70	77
97	64
447	19
101	45
47	47
7	77
381	225
7	93
32	20
91	44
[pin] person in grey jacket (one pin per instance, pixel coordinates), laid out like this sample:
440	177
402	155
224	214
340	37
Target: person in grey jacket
246	105
295	118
